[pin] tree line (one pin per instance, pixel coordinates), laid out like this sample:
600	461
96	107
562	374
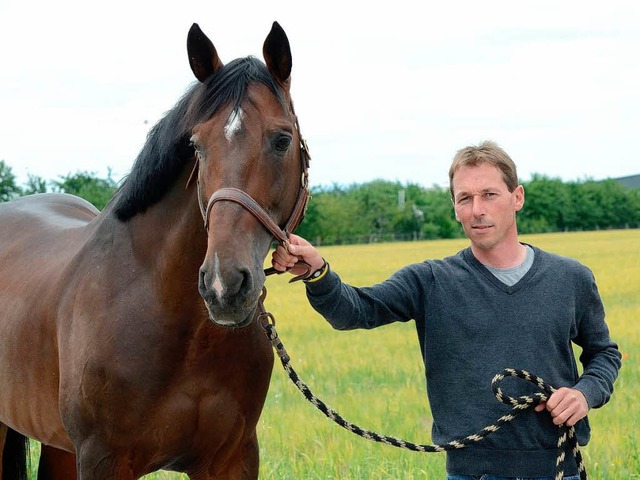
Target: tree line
87	185
386	211
383	210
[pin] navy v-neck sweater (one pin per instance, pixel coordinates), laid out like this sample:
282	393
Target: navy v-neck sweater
470	327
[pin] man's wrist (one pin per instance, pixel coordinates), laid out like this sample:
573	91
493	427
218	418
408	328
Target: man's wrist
319	273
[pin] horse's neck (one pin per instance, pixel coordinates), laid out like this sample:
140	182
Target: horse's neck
168	240
179	245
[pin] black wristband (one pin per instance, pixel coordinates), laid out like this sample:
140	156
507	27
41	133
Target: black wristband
318	274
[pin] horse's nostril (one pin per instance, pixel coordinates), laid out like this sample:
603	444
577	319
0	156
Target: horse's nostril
202	283
246	283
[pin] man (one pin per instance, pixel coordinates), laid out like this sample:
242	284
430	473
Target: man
499	303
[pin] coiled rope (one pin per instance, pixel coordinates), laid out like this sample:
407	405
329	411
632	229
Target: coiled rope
566	435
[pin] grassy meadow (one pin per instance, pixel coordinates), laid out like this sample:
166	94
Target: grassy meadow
375	378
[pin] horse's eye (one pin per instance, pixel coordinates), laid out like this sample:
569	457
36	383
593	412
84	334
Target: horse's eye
196	150
281	143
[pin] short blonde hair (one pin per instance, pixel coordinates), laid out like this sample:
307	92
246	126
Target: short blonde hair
486	152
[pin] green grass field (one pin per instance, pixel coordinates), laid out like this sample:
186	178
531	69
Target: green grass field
375	378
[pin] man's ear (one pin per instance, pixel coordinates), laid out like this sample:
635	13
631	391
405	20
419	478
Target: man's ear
519	193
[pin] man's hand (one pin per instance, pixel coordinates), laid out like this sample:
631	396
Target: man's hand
566	405
298	249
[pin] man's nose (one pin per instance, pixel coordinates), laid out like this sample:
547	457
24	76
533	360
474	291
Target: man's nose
477	206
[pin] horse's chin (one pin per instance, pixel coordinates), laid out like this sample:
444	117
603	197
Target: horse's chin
222	322
231	319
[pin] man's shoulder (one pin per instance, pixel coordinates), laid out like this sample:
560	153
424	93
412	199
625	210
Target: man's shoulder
560	263
452	262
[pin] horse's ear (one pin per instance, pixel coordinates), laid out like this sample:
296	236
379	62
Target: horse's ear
277	55
203	58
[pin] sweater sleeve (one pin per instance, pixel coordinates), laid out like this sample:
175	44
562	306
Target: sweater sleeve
347	307
600	356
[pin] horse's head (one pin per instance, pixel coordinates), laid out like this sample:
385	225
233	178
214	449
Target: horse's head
251	170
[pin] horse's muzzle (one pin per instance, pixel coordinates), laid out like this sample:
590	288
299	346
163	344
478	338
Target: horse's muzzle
231	300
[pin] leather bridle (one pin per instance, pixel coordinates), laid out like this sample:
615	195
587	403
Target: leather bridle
235	195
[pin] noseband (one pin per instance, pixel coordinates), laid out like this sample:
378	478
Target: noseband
235	195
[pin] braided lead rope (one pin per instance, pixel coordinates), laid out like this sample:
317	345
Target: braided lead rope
566	435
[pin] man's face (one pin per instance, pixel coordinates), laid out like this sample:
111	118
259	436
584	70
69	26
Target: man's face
484	206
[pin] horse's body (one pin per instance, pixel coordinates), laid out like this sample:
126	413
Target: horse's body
107	349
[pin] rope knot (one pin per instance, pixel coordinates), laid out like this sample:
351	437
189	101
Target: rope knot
522	402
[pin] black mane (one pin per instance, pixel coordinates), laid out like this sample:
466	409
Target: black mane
167	151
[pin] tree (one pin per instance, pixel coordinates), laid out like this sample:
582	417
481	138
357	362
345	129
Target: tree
614	200
8	188
440	220
35	184
97	191
548	206
310	226
633	197
378	203
337	218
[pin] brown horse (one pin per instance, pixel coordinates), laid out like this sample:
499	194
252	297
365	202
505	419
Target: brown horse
126	336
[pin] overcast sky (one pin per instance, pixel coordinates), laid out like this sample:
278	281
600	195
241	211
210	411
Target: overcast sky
388	91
